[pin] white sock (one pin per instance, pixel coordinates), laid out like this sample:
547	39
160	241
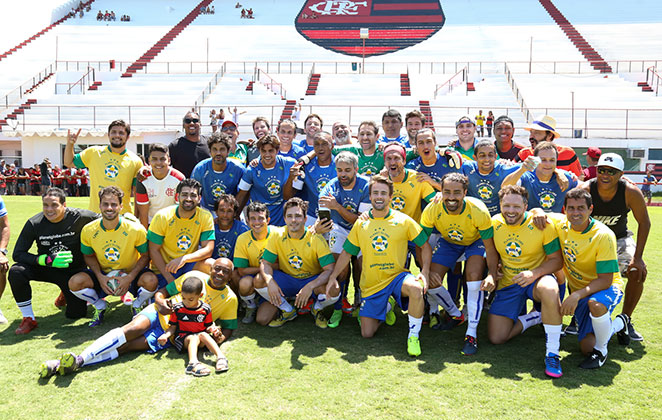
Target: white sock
474	306
142	296
90	296
284	305
530	319
553	333
616	325
249	300
103	357
26	309
323	301
109	341
433	304
443	298
414	326
389	307
602	331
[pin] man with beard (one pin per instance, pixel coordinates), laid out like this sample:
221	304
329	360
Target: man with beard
56	230
311	126
267	181
504	129
529	257
346	196
342	134
181	237
228	227
371	159
218	174
142	333
429	165
108	244
414	121
466	229
392	126
108	165
304	263
544	129
188	150
286	132
382	239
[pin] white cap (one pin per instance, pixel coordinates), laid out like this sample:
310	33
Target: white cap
612	160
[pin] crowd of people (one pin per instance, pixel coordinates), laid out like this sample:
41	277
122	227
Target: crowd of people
272	228
17	180
208	10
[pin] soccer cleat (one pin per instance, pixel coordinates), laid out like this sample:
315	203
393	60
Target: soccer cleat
306	309
48	368
390	315
470	346
634	335
594	360
335	319
413	346
28	324
320	319
571	329
127	299
97	318
3	319
553	365
60	301
453	322
69	363
346	306
435	320
624	334
249	316
283	317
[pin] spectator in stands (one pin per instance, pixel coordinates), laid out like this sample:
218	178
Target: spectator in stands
72	185
504	129
480	123
10	179
234	115
21	181
213	121
58	179
592	156
414	122
342	134
649	180
99	15
296	113
45	170
35	180
249	13
544	129
392	127
83	182
237	6
489	121
221	116
243	13
213	11
186	151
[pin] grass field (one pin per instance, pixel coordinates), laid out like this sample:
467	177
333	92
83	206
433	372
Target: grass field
299	371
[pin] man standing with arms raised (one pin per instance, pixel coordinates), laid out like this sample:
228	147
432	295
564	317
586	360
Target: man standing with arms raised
188	150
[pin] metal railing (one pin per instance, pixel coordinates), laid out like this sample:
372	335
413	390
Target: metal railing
653	79
517	93
15	97
79	86
452	82
269	82
211	85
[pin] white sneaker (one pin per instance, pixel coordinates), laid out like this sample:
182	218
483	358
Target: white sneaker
3	320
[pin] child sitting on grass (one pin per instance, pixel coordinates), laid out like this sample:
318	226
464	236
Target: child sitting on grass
191	324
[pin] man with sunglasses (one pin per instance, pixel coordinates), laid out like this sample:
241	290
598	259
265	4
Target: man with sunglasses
186	151
238	151
613	198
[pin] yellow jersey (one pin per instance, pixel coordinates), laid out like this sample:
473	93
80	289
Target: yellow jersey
109	168
116	249
223	302
587	254
383	242
179	236
407	195
299	258
522	247
465	228
248	250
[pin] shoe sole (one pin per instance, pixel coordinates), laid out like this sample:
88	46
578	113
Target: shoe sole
67	362
45	372
553	375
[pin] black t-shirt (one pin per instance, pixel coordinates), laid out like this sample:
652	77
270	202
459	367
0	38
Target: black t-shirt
53	237
510	154
613	213
184	154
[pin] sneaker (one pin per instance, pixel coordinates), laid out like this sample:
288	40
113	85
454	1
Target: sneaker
594	360
335	319
572	328
320	319
435	320
634	335
3	320
624	334
306	309
28	324
453	322
390	315
470	346
413	346
60	301
97	318
69	363
553	365
283	318
127	298
249	316
48	368
346	306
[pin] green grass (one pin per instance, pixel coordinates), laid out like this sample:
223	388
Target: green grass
299	371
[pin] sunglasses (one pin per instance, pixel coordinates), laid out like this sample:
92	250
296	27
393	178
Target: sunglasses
608	171
191	120
229	128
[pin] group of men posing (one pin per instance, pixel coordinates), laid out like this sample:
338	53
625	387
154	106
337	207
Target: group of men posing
311	216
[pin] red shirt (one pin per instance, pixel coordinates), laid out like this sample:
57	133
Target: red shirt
567	159
190	321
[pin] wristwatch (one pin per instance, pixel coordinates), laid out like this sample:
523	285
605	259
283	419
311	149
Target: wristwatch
4	251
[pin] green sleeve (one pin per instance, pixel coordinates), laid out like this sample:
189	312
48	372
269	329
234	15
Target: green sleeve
240	262
487	233
427	230
422	238
552	247
143	248
78	161
269	256
154	237
411	154
610	266
326	260
229	324
208	235
430	196
86	250
172	289
351	248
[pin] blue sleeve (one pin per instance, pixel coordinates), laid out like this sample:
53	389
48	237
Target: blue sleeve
247	176
572	180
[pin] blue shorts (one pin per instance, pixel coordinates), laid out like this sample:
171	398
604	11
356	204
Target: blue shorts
289	285
447	254
511	301
155	330
133	288
374	306
609	298
184	269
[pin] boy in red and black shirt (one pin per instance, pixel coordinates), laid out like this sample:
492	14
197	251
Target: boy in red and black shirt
190	324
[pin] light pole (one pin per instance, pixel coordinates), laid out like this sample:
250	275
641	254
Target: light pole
364	33
572	110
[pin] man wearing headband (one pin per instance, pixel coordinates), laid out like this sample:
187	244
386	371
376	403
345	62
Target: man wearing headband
465	128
